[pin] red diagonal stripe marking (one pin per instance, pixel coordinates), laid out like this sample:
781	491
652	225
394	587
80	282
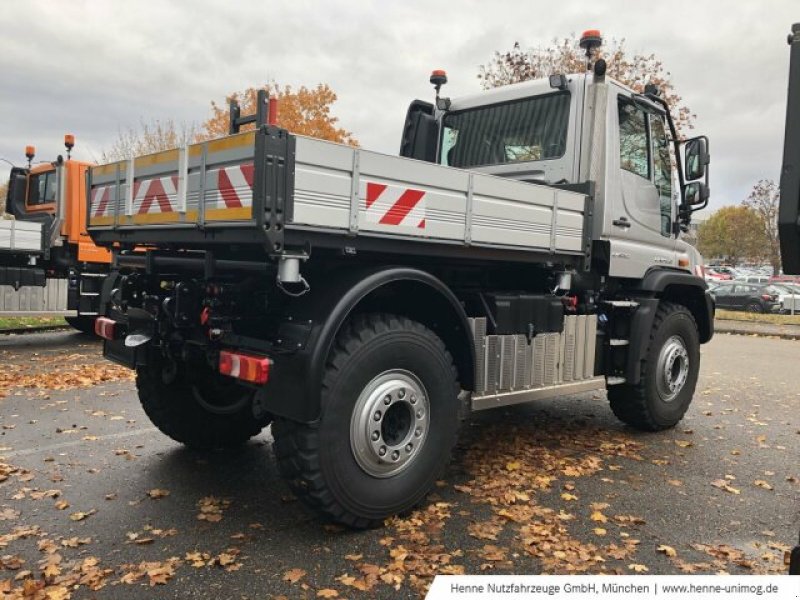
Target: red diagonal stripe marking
229	195
374	191
104	197
421	224
248	171
401	208
155	193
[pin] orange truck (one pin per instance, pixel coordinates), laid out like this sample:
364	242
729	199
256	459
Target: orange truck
48	263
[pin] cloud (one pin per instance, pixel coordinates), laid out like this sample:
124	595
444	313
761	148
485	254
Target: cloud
92	67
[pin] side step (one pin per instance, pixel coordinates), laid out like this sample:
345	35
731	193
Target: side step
615	380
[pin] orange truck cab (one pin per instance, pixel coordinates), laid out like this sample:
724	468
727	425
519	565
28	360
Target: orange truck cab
47	203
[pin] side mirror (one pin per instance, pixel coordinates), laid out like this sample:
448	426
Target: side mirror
697	158
696	194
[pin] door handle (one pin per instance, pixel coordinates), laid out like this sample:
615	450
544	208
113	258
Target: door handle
621	222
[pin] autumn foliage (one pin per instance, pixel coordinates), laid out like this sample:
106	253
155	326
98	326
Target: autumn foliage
304	111
565	56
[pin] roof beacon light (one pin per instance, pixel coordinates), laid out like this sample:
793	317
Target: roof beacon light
590	41
30	152
69	142
438	79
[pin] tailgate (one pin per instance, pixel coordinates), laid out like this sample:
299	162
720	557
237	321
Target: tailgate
200	191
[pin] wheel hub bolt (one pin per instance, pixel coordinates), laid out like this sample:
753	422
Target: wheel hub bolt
409	447
382	451
375	436
419	414
377	416
395	455
401	394
387	400
418	432
413	399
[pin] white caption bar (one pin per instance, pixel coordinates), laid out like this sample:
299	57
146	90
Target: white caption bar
627	587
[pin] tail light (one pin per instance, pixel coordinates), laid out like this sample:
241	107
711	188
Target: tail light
246	367
104	327
769	297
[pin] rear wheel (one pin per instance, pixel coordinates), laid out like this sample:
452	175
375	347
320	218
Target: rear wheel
669	373
389	419
198	407
755	307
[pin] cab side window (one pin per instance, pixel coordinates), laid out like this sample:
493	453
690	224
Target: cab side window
662	172
634	143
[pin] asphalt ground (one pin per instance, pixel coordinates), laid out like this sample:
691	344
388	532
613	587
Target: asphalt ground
96	503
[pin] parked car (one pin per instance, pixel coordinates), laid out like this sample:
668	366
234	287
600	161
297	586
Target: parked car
795	279
757	279
714	275
788	296
737	295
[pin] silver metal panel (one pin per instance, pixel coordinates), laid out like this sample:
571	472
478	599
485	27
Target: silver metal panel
20	235
580	343
551	349
508	354
589	346
324	184
492	363
538	360
31	299
522	396
527	380
478	327
520	345
569	348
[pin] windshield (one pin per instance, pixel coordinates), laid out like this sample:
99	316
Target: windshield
523	130
42	188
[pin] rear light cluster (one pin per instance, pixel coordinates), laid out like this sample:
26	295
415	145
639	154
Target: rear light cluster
104	327
769	297
246	367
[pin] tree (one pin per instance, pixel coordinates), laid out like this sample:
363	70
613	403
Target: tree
305	111
565	56
3	192
764	200
733	233
148	138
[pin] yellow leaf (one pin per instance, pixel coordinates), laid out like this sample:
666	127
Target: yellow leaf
638	568
668	550
762	484
156	493
599	531
327	593
568	497
513	466
684	443
599	517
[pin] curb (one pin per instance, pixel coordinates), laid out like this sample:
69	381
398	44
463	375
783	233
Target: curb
36	329
734	330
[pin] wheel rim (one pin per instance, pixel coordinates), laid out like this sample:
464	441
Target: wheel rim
220	397
390	423
672	368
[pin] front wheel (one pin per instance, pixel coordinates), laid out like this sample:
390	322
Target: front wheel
389	419
669	373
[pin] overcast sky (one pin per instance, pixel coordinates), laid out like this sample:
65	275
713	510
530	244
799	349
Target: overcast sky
91	68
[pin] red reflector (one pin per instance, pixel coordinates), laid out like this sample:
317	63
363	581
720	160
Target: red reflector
246	367
104	327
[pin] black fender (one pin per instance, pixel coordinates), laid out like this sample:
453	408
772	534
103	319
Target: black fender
293	390
671	285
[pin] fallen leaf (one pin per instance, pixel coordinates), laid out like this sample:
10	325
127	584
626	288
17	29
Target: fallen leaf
327	593
637	568
668	550
599	517
157	493
294	575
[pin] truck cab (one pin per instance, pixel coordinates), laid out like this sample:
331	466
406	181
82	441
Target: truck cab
565	131
46	201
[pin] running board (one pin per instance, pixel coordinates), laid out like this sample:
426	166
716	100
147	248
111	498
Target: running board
543	393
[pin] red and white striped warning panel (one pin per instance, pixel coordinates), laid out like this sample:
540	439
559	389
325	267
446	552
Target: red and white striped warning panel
100	203
156	195
234	187
394	205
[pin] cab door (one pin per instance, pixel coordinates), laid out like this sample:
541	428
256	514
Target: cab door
642	206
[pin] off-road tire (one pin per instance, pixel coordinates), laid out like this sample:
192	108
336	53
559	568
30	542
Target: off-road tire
82	323
318	461
641	406
173	406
